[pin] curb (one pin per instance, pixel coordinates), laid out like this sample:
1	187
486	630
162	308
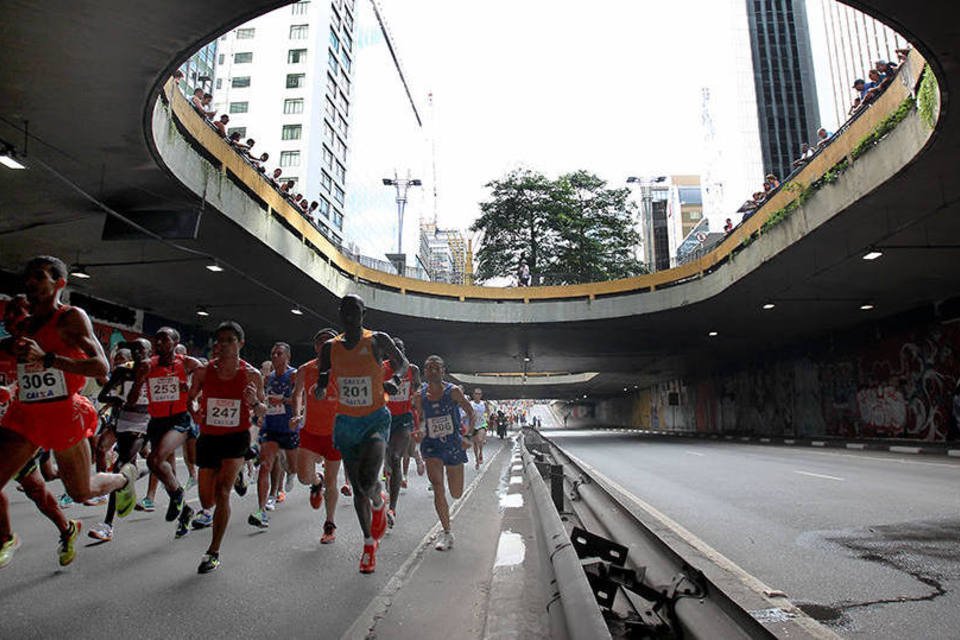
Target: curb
823	443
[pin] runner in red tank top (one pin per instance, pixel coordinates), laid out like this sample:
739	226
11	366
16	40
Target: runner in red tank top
316	437
57	353
400	405
232	392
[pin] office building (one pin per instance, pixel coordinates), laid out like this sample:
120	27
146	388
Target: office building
671	208
199	71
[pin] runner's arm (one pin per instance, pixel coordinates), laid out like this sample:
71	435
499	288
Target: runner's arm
77	331
296	398
388	351
115	379
417	432
457	394
323	365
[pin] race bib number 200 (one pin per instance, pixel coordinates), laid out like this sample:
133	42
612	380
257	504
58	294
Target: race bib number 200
356	392
40	385
223	412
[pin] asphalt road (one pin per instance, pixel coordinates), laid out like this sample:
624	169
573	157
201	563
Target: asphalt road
868	543
277	582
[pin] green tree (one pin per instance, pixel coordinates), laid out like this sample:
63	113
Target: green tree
518	224
597	236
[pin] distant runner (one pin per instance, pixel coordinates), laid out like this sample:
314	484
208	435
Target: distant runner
400	406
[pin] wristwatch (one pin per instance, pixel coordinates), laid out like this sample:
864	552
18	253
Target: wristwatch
48	359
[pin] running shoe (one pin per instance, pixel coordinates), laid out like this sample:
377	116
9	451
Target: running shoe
329	533
345	489
95	501
421	467
67	549
127	495
183	522
378	521
202	520
403	483
191	483
10	547
209	562
270	504
101	531
368	561
444	541
175	506
281	496
391	518
258	519
316	496
147	504
240	485
65	501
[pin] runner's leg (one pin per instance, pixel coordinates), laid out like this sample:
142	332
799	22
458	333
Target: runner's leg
399	442
74	464
268	460
224	478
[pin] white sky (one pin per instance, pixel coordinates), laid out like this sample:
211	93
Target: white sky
610	86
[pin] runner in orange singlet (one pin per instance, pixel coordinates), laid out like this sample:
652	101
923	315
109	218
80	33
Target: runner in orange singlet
57	352
316	437
353	363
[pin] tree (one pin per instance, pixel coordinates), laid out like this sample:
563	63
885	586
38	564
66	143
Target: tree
519	224
597	237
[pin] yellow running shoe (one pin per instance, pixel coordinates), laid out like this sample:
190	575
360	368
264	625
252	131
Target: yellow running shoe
8	549
67	550
127	495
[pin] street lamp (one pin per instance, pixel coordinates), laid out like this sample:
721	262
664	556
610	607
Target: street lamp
401	185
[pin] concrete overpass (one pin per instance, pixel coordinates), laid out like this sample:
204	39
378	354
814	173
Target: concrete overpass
79	89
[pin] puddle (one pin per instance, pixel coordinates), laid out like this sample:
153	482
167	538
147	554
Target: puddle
511	500
510	550
821	612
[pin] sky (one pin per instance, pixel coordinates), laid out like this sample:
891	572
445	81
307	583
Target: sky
611	86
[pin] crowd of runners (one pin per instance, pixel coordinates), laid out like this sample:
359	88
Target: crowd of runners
359	403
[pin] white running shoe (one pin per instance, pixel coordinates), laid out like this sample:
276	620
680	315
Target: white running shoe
444	541
271	504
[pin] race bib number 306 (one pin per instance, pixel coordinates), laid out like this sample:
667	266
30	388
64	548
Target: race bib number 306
223	412
166	389
356	392
40	385
440	426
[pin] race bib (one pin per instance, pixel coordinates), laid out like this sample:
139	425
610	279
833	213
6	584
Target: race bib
440	426
223	412
403	394
39	385
166	389
356	392
276	409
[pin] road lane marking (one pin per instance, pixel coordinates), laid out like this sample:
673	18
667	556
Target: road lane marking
818	475
694	453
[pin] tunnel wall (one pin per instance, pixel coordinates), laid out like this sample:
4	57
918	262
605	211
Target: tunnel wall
896	379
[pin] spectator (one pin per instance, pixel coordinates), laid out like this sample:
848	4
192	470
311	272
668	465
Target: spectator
275	178
221	125
886	68
205	106
178	76
860	86
249	145
772	180
261	163
197	100
805	154
857	105
285	188
823	136
234	141
523	278
312	211
728	226
902	54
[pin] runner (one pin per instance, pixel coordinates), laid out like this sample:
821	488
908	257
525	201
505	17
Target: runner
316	438
443	446
353	362
400	406
57	351
278	431
131	426
14	318
170	424
478	434
190	445
232	390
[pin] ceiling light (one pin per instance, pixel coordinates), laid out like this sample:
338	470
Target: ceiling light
77	271
713	334
526	359
202	312
866	307
297	311
768	306
873	255
213	266
7	160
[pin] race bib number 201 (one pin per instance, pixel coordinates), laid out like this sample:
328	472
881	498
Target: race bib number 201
39	385
356	392
223	412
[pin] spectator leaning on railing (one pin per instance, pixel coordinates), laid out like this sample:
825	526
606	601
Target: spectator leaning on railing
221	125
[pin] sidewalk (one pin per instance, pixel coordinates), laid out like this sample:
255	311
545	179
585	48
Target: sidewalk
491	585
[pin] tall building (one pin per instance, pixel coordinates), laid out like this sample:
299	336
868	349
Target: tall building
784	78
199	71
852	43
444	254
671	208
285	79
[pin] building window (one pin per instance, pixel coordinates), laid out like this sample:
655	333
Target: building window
295	56
292	106
295	80
347	21
342	126
341	148
241	130
327	133
347	42
338	219
221	58
325	181
219	83
346	85
340	172
239	107
291	132
344	103
331	85
330	109
334	40
338	194
300	8
299	31
332	62
245	34
327	157
345	59
241	82
334	16
324	207
289	158
242	57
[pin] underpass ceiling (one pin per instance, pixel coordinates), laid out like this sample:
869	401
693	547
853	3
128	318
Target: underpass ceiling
94	68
